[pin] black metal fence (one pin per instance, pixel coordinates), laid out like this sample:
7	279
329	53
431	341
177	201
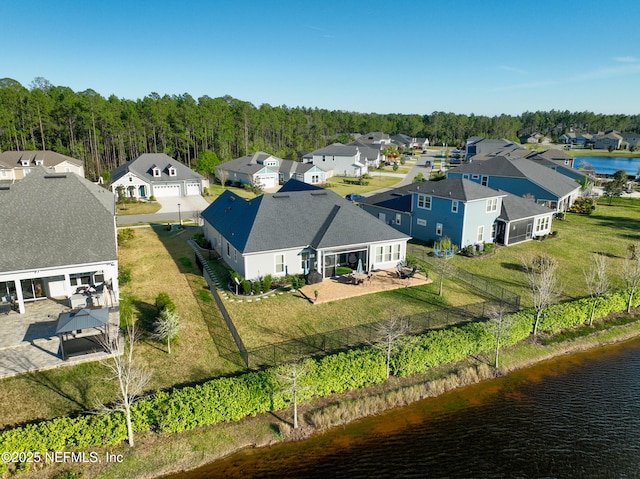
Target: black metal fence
483	285
349	338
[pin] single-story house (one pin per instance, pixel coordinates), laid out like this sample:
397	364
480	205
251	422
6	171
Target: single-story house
58	236
158	175
299	229
267	171
457	208
16	164
522	177
338	159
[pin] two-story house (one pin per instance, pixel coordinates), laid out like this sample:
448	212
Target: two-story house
522	177
339	160
16	164
459	209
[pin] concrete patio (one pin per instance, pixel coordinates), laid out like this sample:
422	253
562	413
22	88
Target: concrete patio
28	341
341	287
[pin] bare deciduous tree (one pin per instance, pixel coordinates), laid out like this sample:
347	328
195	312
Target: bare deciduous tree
499	325
167	327
444	268
131	377
388	335
597	281
290	376
631	272
543	283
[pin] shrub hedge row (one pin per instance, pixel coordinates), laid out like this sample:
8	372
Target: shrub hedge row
230	399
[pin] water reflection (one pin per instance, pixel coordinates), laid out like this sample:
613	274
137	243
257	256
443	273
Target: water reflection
577	416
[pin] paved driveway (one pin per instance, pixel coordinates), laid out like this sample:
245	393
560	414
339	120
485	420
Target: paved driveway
188	204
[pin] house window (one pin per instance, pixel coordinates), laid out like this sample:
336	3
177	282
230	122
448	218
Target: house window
379	254
323	158
398	218
454	206
424	202
24	162
315	178
475	177
304	263
172	171
279	263
387	253
156	172
228	249
465	176
485	181
38	162
235	255
493	232
130	178
492	205
542	224
480	237
396	252
421	222
439	229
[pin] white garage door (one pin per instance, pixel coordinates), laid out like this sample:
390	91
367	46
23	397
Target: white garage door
269	181
193	189
162	191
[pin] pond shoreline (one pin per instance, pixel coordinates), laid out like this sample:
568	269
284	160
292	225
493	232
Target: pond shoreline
169	455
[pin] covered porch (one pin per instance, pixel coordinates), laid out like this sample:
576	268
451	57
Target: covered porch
85	285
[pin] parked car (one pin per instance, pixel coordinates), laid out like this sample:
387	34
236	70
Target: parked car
353	197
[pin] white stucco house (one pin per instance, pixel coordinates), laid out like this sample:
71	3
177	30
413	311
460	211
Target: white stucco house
16	164
299	229
267	171
58	235
158	175
339	160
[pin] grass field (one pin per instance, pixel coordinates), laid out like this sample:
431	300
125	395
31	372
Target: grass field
609	230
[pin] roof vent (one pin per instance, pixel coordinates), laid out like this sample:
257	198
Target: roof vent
55	176
5	188
280	196
318	193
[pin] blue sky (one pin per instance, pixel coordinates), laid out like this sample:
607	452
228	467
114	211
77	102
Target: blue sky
484	57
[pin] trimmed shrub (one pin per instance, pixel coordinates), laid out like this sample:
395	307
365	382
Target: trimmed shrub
256	286
266	283
163	301
246	286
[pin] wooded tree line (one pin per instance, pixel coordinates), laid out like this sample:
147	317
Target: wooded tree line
105	132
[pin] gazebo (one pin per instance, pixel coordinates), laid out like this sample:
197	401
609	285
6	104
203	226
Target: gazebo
84	331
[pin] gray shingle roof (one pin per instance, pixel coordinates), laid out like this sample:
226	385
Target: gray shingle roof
337	149
55	220
290	219
143	168
49	158
399	199
542	176
517	208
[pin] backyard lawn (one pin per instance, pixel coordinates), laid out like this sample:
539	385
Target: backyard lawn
291	315
159	261
609	230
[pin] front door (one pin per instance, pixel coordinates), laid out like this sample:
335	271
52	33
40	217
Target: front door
529	229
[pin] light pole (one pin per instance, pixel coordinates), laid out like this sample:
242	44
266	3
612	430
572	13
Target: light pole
179	215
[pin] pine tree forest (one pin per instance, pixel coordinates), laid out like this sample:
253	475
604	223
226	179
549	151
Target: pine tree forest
105	132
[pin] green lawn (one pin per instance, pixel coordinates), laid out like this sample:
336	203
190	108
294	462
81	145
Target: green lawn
290	315
375	183
609	229
138	208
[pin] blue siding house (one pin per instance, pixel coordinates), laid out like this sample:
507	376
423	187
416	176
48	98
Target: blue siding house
460	209
522	177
